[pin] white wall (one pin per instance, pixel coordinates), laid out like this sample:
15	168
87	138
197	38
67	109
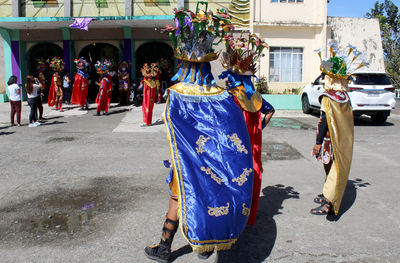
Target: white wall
363	33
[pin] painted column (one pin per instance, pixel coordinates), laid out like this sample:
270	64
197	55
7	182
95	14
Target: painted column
67	48
5	35
16	70
129	51
11	46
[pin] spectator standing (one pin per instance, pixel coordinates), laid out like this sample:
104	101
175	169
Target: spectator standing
15	99
67	87
33	92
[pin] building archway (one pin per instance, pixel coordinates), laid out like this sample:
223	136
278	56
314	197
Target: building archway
153	52
45	50
93	53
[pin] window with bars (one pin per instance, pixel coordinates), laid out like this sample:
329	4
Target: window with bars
287	1
285	64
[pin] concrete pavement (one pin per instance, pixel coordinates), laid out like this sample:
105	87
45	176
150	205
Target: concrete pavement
83	188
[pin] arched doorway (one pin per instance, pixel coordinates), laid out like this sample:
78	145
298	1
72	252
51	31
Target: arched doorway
153	52
45	51
93	53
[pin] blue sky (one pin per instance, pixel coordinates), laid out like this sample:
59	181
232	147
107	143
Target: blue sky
353	8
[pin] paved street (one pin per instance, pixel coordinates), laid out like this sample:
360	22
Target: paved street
82	188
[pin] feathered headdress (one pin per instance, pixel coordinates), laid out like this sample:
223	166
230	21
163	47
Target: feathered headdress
340	63
102	66
242	54
123	64
81	63
194	33
41	65
56	64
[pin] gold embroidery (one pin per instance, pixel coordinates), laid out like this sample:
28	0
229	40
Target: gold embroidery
238	143
201	142
243	177
218	211
213	175
246	210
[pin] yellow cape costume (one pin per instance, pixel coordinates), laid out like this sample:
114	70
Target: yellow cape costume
339	116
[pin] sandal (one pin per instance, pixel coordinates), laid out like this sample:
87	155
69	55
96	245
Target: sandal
162	251
324	209
320	199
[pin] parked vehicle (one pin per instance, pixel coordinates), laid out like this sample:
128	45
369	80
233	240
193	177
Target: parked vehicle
371	93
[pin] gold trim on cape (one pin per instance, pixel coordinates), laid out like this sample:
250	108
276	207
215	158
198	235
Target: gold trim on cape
339	117
196	90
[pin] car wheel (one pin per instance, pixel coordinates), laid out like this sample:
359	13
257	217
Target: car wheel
379	118
305	104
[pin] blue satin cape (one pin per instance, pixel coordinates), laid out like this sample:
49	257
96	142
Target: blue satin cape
212	162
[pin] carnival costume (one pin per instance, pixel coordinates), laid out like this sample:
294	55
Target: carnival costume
81	83
149	93
102	99
240	61
123	83
212	169
55	93
155	67
337	117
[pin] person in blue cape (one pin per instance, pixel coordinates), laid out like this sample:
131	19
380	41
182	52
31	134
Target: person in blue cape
211	178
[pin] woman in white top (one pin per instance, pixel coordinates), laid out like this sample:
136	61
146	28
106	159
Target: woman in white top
15	99
33	91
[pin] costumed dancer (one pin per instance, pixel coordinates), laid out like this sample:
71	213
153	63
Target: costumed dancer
42	79
336	127
211	179
149	93
81	84
123	83
156	69
102	68
240	61
55	93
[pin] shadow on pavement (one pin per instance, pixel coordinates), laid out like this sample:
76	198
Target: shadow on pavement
51	118
117	111
256	242
157	122
180	252
366	121
52	123
349	197
6	133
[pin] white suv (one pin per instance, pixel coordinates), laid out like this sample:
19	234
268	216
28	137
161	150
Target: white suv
370	93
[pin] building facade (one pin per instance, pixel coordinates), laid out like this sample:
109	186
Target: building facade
130	30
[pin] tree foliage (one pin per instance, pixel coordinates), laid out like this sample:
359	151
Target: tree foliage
389	20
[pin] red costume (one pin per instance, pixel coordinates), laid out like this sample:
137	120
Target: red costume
149	94
81	83
252	109
55	92
104	94
55	89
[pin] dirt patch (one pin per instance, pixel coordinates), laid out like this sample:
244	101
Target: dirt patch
61	139
279	151
66	214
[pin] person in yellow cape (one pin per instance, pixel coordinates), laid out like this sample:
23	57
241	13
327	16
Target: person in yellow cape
335	129
335	132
